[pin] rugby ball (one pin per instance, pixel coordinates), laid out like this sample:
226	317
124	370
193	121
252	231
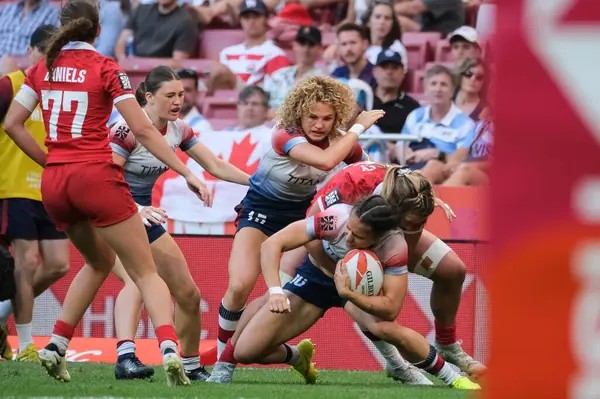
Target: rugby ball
365	271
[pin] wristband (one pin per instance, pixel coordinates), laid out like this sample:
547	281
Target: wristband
357	129
276	291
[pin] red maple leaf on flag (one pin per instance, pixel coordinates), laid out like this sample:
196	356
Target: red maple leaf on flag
240	154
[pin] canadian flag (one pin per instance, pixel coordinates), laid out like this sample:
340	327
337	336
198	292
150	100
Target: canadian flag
242	148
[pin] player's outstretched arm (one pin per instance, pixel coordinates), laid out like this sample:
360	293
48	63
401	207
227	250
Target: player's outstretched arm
14	125
216	166
386	306
152	140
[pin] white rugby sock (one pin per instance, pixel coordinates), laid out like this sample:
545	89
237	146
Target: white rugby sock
391	354
24	333
125	347
190	363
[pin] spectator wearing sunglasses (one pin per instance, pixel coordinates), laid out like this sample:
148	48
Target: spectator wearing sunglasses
472	87
189	112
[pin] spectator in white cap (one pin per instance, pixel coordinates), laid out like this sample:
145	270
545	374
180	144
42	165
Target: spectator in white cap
465	45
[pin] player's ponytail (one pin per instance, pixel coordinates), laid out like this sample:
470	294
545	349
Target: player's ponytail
153	82
140	94
411	192
377	214
79	20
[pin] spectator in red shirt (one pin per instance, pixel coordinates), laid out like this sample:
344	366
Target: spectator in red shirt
252	62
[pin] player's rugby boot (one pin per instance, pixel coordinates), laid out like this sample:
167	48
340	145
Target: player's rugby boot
407	375
222	373
465	383
455	354
199	374
5	349
304	366
29	354
174	369
54	363
130	368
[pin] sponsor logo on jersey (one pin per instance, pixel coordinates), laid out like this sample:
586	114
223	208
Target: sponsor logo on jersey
332	198
124	80
327	223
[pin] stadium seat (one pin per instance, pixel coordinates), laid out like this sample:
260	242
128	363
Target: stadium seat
431	38
417	53
442	51
222	108
137	67
222	124
212	41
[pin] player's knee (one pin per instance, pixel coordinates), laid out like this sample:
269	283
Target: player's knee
453	270
188	299
244	355
238	293
26	262
56	267
381	330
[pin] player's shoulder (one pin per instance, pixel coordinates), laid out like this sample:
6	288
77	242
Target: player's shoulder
288	132
234	49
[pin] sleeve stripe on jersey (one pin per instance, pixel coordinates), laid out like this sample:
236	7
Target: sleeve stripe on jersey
293	142
123	97
365	156
187	145
396	271
27	97
119	150
310	228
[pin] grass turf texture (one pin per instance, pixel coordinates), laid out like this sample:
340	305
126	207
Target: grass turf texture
97	380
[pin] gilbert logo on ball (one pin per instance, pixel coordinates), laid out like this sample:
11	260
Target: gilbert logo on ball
365	271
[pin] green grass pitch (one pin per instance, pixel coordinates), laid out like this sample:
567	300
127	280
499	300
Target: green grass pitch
97	380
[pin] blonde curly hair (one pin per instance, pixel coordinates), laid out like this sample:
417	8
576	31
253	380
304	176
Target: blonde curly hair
317	89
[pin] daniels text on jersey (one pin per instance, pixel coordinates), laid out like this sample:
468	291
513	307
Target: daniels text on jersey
67	75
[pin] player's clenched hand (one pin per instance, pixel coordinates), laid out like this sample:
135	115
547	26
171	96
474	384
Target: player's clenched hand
199	189
341	279
368	118
279	303
152	215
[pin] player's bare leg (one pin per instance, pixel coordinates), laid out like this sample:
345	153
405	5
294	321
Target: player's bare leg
244	269
130	242
432	258
413	346
264	338
173	268
128	311
99	260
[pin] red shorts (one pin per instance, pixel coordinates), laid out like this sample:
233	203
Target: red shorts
94	191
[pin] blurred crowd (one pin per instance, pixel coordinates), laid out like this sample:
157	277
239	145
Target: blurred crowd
427	63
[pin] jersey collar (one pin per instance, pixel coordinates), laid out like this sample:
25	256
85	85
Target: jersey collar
79	46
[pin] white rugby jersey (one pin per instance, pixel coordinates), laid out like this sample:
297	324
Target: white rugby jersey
330	227
142	169
254	65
